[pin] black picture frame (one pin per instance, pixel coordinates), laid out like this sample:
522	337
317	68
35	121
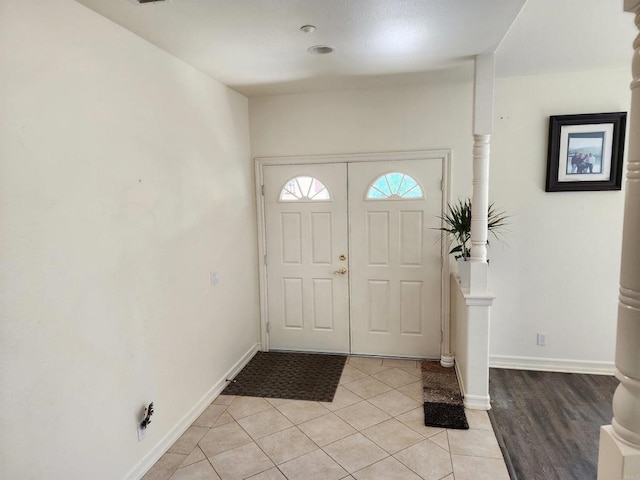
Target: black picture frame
586	152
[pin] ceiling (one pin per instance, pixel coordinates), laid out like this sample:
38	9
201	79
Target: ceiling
257	48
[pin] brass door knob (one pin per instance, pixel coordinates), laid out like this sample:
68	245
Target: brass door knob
341	271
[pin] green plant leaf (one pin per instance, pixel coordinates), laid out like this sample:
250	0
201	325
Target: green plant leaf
456	225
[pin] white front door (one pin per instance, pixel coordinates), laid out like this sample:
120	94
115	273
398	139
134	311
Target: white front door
354	269
395	257
306	237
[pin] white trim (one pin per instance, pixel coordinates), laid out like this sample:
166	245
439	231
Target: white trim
481	300
261	162
446	349
355	157
478	301
447	361
460	379
472	402
551	364
262	254
477	402
170	438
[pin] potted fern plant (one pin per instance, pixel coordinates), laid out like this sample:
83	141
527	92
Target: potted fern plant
456	224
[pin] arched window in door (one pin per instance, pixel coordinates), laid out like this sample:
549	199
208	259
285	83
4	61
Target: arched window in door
304	188
394	186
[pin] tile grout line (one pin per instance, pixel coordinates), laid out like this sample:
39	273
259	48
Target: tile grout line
211	428
296	426
253	439
425	439
394	418
391	403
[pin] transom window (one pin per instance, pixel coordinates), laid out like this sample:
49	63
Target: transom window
394	186
304	188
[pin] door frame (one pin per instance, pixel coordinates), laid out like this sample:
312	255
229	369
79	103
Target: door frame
444	156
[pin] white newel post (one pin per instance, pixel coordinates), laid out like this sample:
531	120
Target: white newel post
619	456
482	126
478	298
479	206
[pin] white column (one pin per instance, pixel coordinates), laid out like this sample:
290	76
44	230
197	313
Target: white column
478	283
482	126
476	388
476	324
619	456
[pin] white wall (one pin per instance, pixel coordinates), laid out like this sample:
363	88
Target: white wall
126	178
559	273
375	120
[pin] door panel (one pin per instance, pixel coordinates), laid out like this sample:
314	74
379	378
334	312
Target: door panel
388	300
395	258
308	304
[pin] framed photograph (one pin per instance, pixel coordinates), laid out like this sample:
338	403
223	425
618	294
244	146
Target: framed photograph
585	152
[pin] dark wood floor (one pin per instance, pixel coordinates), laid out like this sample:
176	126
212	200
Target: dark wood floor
550	422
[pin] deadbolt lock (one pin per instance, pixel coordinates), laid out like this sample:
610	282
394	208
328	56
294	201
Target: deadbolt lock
342	257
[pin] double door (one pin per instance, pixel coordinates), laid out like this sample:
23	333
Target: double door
354	258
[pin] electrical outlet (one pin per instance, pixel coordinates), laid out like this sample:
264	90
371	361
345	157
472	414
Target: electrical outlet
214	278
144	423
542	339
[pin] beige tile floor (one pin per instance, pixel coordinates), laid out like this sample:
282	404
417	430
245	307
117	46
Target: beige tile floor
374	429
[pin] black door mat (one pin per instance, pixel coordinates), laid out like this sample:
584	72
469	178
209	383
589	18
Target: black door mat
294	376
443	405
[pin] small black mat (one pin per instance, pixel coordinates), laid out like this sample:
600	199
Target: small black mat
445	415
443	405
294	376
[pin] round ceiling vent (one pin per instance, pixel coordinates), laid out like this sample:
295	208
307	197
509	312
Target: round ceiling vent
320	49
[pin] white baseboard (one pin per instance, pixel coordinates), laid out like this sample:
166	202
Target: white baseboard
551	365
456	365
170	438
477	402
